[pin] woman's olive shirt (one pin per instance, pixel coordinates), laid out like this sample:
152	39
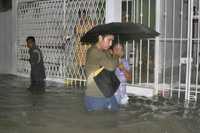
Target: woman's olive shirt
95	59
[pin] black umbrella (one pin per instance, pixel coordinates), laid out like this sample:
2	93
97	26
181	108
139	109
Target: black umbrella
124	32
106	80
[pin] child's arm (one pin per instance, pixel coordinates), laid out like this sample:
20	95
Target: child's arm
126	72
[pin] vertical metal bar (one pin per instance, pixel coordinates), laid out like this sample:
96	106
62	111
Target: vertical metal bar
140	58
157	49
133	48
137	61
148	58
149	13
127	52
137	11
197	66
127	10
189	50
148	41
133	63
136	45
64	13
141	12
65	28
136	50
198	41
140	62
165	39
173	30
180	54
133	10
126	46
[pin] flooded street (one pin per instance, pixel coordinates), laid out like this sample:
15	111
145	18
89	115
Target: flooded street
60	109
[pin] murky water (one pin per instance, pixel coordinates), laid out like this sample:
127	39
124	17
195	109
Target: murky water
60	109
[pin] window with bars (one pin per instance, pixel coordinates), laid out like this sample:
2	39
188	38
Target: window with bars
142	52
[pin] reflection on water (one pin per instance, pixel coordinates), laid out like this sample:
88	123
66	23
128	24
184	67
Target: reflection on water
60	110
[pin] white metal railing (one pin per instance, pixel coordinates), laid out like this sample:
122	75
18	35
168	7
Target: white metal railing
176	50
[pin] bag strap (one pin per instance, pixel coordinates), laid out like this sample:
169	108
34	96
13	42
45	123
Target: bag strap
98	71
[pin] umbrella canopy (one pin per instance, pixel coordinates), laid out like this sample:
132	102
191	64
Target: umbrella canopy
123	31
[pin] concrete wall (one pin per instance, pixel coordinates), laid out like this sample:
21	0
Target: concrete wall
7	41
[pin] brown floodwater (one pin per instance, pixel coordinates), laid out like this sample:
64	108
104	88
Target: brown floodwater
60	109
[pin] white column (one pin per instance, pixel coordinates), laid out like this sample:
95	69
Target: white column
157	49
113	10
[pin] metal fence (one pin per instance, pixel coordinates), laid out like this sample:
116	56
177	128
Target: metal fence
57	26
173	57
169	63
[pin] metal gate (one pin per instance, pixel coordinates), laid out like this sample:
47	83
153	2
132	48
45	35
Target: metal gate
57	26
170	63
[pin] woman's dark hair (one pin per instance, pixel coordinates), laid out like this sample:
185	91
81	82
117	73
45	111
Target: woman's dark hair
30	38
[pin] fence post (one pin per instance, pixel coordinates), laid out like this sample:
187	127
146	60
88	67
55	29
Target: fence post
157	49
189	50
